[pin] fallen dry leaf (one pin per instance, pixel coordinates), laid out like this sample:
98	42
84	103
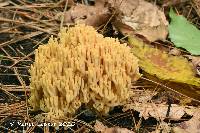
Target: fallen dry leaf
125	6
143	17
196	63
99	127
175	51
193	125
154	33
178	130
159	111
162	65
89	15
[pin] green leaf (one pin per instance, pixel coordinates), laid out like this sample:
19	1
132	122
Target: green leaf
183	34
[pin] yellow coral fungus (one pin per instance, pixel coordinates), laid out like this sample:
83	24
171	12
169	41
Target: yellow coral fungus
162	65
78	67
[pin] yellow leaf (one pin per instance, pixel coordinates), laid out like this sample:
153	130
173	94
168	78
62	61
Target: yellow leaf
163	65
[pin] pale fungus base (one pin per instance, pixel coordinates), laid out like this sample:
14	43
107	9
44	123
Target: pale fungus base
78	67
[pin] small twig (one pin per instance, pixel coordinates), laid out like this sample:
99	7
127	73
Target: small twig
189	12
8	55
63	15
8	93
6	74
40	42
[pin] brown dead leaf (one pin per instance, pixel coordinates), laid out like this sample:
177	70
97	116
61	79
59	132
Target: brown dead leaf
154	33
159	111
178	130
99	127
89	15
193	125
144	18
125	6
175	51
196	63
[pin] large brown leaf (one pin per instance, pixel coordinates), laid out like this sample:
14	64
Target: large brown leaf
142	17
